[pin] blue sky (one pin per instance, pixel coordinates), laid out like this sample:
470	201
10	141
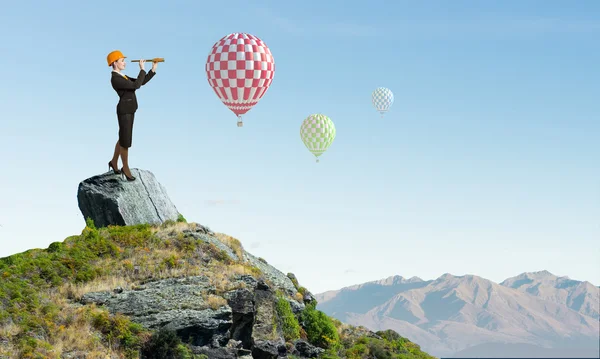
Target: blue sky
486	164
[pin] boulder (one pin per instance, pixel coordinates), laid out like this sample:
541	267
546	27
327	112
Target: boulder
110	200
306	350
267	336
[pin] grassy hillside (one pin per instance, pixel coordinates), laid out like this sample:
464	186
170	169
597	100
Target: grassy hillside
41	318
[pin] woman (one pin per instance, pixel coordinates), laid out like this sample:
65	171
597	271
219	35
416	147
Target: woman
126	108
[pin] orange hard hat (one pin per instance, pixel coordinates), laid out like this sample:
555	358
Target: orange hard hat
114	56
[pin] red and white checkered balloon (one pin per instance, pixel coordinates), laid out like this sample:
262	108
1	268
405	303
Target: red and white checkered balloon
240	69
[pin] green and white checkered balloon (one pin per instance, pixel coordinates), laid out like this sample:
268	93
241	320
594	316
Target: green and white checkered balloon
317	133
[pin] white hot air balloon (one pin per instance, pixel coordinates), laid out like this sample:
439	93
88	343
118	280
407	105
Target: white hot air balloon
382	99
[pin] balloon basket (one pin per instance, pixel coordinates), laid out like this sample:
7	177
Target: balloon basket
240	124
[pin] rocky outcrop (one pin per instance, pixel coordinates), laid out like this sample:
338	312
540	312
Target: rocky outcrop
273	274
235	306
109	200
246	324
177	304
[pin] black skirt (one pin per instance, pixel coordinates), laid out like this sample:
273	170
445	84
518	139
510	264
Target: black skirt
125	129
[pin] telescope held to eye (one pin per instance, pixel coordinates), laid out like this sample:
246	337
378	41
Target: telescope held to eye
156	59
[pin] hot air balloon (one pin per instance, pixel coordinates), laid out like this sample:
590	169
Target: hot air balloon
240	69
317	133
382	99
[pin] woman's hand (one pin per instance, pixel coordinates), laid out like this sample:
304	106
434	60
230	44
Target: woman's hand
142	64
154	64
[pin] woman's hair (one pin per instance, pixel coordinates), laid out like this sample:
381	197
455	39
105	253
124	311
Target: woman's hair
114	64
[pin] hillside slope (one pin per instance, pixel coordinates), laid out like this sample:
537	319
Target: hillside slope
174	290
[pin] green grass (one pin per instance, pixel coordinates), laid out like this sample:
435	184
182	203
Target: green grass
390	346
291	327
320	328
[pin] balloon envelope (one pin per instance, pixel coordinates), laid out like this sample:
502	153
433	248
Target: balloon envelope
382	99
240	68
317	132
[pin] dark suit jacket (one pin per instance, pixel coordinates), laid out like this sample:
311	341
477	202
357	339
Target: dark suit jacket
125	88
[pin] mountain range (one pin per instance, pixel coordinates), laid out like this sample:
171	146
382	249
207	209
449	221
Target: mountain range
531	315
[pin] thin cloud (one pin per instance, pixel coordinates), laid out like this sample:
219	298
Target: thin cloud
216	202
254	245
349	271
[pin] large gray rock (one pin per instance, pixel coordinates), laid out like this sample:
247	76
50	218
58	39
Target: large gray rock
267	335
305	349
110	200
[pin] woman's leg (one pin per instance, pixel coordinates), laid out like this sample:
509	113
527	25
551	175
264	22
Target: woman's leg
125	134
124	159
115	159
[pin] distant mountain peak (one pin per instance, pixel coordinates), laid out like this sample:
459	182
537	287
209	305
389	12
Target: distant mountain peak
460	278
542	276
446	276
397	279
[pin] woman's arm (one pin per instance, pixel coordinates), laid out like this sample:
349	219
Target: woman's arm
149	76
121	83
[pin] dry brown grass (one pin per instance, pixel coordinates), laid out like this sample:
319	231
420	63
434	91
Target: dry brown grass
233	243
215	302
240	269
299	297
159	263
76	291
223	276
220	277
73	330
173	228
6	332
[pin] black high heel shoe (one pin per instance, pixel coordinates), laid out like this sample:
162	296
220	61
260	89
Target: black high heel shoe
124	175
115	171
